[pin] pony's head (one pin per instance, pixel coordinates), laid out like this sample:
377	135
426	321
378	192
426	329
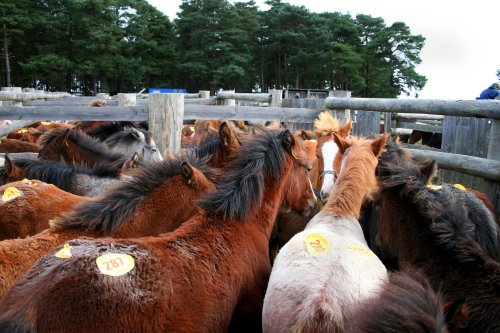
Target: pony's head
327	150
356	182
299	195
52	143
134	140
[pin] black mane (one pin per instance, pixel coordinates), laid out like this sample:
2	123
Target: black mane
241	186
116	206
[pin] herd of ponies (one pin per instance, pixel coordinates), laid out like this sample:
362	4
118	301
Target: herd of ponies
246	229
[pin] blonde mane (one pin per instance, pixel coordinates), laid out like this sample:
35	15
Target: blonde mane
326	123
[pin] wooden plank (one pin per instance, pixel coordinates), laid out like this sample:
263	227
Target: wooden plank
26	96
68	102
257	97
133	113
16	124
366	123
418	116
463	108
420	127
418	146
489	169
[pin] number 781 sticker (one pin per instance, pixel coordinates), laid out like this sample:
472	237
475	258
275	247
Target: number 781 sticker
115	264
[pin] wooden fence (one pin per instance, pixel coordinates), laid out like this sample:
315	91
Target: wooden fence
166	112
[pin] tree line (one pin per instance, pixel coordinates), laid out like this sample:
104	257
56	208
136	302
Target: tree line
91	46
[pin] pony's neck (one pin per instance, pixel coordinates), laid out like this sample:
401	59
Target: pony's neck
265	214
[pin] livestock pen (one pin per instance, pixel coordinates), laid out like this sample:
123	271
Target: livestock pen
468	127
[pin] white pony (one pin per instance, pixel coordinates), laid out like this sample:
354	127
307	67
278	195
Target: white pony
326	271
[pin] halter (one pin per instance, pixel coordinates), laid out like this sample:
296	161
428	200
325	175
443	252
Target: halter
329	172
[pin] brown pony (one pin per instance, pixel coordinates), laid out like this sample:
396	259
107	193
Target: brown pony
28	134
433	230
407	303
288	223
208	275
205	128
33	204
327	150
219	147
18	146
156	199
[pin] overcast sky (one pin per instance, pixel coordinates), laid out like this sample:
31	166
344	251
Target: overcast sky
462	48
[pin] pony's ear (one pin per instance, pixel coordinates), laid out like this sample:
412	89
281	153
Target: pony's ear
8	164
457	314
341	142
428	169
135	133
225	134
396	139
378	144
34	131
187	171
345	130
305	136
61	139
131	163
288	141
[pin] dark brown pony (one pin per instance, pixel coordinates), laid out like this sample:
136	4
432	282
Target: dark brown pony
431	230
29	212
208	275
407	304
157	198
480	223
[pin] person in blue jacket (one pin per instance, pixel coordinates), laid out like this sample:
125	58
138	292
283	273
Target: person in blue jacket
491	93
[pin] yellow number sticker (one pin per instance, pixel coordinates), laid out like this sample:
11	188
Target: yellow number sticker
317	243
460	187
10	193
65	252
361	249
115	264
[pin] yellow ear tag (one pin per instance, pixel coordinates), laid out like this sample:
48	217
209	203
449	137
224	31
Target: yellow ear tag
361	249
65	252
115	264
316	243
434	187
10	193
460	187
24	130
45	123
25	181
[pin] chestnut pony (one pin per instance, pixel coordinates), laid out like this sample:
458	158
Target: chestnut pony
219	147
431	230
326	150
327	271
33	204
209	275
156	199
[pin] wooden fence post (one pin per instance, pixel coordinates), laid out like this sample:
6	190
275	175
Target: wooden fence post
276	98
127	99
494	154
341	114
229	102
166	113
204	93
